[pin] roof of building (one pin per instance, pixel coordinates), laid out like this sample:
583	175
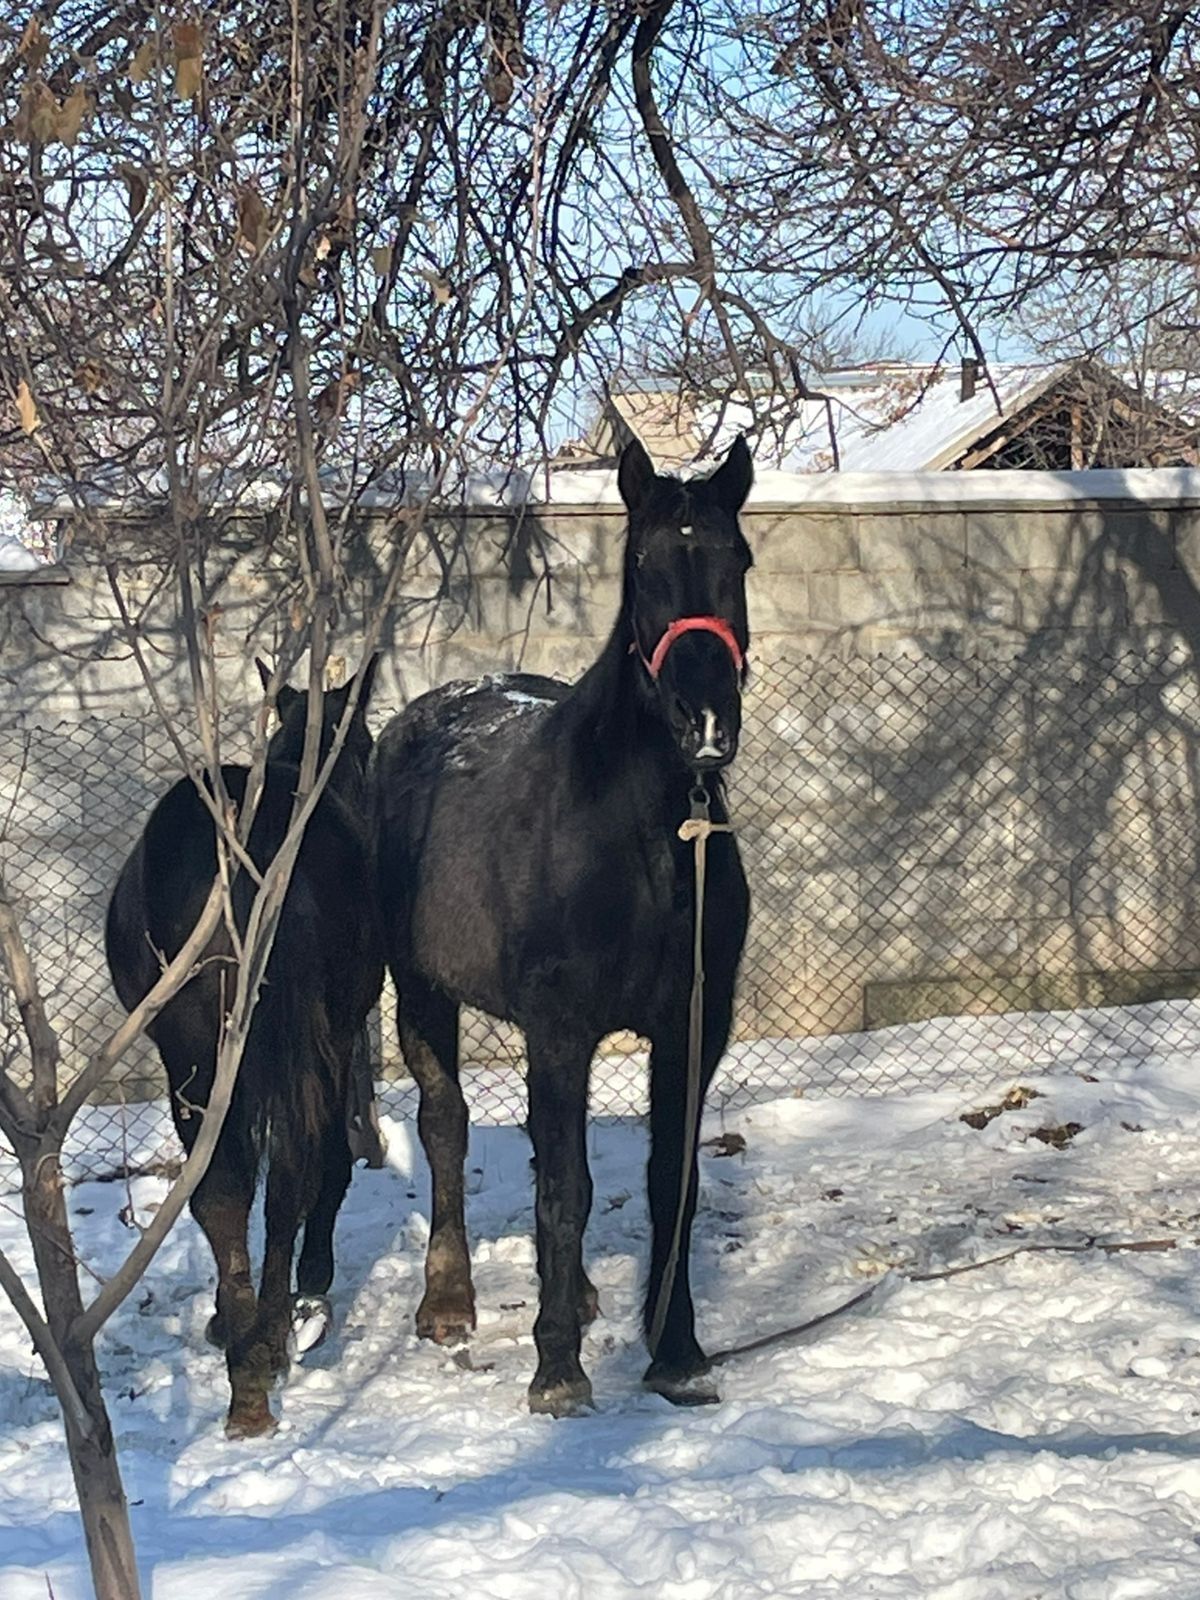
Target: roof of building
881	417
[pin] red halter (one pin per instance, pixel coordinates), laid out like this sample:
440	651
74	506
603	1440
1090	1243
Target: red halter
683	625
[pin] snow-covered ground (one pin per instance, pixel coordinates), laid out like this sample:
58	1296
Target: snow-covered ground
1028	1429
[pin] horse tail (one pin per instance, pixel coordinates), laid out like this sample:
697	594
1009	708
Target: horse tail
295	1081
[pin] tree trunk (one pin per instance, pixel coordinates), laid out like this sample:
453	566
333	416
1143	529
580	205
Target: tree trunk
102	1503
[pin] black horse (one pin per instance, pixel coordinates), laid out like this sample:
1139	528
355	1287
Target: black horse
529	864
291	1099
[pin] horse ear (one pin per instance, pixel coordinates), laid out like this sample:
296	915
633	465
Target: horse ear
368	683
635	474
730	483
287	696
264	672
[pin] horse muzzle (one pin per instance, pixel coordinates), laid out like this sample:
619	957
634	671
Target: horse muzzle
707	743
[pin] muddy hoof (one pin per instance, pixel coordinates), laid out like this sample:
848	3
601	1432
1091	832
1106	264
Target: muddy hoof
589	1303
571	1398
250	1422
445	1321
312	1318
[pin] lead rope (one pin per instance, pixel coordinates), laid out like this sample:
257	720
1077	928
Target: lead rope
698	828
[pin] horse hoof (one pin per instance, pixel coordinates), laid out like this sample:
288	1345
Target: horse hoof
683	1390
446	1323
250	1422
312	1318
571	1398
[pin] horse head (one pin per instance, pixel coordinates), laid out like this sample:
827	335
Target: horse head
291	706
686	561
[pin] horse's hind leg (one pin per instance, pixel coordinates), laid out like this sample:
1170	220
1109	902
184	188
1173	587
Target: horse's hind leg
221	1205
428	1025
223	1197
558	1079
314	1273
259	1357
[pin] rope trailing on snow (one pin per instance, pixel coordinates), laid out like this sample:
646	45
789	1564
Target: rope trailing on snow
799	1329
697	830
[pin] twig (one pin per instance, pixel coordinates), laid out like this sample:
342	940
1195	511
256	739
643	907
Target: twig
797	1330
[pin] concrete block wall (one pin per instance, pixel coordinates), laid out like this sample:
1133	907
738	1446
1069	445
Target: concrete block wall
972	736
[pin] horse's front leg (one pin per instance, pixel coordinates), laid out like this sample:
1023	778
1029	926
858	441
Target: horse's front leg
558	1084
677	1360
428	1024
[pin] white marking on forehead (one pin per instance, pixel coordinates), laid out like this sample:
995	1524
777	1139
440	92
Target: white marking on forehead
685	527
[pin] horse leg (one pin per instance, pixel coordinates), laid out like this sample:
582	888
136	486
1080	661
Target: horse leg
260	1355
221	1206
314	1273
223	1197
677	1360
558	1079
428	1026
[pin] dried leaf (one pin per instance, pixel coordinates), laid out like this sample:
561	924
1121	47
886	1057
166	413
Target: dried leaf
35	121
34	45
136	190
189	59
331	402
90	377
442	291
381	260
69	119
27	409
322	247
253	226
145	60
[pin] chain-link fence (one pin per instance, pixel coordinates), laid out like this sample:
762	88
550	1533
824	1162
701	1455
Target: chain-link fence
1009	846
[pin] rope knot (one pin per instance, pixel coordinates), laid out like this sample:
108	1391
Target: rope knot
701	828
